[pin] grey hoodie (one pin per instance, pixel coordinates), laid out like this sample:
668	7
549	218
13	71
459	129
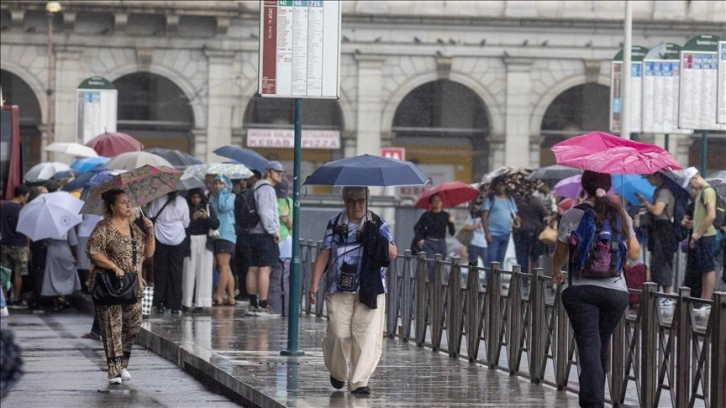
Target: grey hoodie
266	200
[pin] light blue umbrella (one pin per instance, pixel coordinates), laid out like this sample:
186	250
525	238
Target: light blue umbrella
86	164
628	185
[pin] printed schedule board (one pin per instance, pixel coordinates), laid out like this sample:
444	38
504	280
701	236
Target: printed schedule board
96	108
721	88
636	85
661	83
299	48
699	71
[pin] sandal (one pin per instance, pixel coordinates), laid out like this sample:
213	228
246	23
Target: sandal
91	335
218	302
231	302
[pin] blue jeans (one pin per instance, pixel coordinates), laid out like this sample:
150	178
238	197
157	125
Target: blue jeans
497	249
594	313
475	253
2	299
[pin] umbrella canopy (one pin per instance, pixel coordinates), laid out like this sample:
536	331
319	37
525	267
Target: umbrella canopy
624	185
187	182
367	170
73	149
133	160
86	164
233	171
81	181
44	171
718	175
516	179
50	216
452	193
249	158
99	178
176	157
143	185
554	172
112	144
605	153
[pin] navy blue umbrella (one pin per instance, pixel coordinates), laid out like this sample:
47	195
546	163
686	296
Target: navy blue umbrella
249	158
367	170
177	158
81	181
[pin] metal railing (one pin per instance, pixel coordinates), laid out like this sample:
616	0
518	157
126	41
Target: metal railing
656	359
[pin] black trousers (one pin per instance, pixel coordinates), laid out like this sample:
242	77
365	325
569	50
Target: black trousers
168	267
241	262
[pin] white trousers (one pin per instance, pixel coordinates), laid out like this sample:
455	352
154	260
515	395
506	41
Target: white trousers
198	268
355	334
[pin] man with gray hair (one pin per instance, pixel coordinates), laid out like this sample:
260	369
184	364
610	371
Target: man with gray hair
264	239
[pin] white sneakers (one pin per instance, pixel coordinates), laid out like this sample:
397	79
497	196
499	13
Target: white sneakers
4	311
124	376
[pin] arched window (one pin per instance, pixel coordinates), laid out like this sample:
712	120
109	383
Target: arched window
578	110
444	125
154	110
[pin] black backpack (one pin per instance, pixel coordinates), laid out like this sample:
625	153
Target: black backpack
679	211
245	209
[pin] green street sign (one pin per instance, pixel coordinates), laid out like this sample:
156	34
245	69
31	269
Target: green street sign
96	82
637	53
703	43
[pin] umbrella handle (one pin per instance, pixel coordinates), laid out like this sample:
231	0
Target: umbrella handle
137	203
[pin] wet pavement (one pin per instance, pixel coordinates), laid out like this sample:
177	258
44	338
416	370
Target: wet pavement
62	369
240	356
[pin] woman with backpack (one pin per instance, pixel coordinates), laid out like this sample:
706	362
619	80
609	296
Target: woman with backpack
595	300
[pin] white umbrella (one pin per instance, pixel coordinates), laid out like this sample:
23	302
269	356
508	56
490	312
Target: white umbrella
73	149
45	171
133	160
50	216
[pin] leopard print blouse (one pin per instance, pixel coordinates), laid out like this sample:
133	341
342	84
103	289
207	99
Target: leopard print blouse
106	239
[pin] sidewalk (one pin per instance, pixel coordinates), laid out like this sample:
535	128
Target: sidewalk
62	369
240	357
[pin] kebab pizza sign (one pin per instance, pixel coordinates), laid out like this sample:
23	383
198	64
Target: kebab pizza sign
285	138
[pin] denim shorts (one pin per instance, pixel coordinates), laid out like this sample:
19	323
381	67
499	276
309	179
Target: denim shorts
222	246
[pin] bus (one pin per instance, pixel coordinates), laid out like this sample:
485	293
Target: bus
10	160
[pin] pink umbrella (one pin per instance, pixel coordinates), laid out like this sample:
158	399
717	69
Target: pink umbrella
605	153
112	144
452	193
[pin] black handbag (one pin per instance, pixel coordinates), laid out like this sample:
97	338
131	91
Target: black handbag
113	290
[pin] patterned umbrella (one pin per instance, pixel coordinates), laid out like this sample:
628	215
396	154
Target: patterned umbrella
233	171
112	144
517	180
143	185
133	160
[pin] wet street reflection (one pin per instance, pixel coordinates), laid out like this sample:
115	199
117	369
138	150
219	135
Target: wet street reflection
243	353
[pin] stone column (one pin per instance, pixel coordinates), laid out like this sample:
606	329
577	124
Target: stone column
220	100
200	146
369	109
516	122
68	77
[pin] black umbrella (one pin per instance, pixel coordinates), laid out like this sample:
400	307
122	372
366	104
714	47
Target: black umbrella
555	172
249	158
177	158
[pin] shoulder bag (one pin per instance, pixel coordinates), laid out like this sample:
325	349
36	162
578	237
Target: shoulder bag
113	290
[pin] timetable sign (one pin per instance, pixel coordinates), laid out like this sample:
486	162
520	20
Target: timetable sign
299	49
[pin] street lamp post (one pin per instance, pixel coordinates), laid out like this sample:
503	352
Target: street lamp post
52	7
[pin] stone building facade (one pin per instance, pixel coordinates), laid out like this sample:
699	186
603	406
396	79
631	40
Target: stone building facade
463	86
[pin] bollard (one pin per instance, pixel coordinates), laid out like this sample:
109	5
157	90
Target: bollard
473	313
718	350
494	314
648	344
453	323
538	329
514	330
421	299
437	305
683	347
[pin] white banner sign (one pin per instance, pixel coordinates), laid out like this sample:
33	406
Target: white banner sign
285	138
299	48
699	81
95	113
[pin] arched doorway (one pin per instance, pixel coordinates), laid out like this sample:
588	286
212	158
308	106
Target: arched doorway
322	125
578	110
155	111
17	92
444	127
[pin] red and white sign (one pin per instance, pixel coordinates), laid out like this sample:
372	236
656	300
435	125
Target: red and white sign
285	138
398	153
